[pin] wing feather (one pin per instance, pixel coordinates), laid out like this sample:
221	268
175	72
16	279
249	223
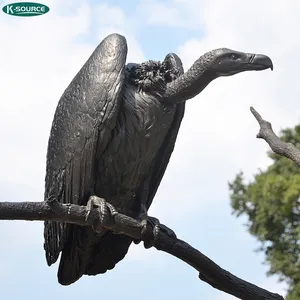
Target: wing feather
81	130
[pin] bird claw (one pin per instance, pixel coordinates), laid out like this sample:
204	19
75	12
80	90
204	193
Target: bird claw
105	210
151	227
152	230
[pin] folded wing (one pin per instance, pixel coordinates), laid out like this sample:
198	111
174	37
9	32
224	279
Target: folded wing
81	130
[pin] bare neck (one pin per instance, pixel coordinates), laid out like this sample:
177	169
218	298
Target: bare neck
190	83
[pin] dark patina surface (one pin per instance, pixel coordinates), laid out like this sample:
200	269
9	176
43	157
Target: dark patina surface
113	133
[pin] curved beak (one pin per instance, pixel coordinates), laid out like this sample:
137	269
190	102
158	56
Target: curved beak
258	62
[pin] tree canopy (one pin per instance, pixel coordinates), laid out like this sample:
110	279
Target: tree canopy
271	201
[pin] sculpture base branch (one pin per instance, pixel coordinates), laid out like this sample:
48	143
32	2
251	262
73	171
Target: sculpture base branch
217	277
209	271
276	144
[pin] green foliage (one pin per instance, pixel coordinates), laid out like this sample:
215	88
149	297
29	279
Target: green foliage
272	203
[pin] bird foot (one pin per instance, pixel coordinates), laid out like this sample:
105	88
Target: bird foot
152	229
105	210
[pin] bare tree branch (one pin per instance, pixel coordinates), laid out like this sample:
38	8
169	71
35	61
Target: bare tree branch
277	145
165	240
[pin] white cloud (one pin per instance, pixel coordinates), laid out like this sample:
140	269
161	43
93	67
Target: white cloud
41	59
42	56
161	14
113	19
217	137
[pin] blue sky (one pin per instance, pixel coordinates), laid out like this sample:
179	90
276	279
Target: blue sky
216	140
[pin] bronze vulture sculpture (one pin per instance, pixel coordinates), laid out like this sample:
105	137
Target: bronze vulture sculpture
112	136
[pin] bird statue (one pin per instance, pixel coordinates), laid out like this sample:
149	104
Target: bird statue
112	136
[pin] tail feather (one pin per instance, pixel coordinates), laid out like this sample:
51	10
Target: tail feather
107	253
75	255
85	253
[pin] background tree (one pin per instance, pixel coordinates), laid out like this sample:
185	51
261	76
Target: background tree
272	204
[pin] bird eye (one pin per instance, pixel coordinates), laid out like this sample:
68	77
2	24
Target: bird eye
233	56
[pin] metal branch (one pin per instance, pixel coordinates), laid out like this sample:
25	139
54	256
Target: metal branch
209	271
276	144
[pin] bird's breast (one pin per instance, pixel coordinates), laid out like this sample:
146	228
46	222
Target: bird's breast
141	128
